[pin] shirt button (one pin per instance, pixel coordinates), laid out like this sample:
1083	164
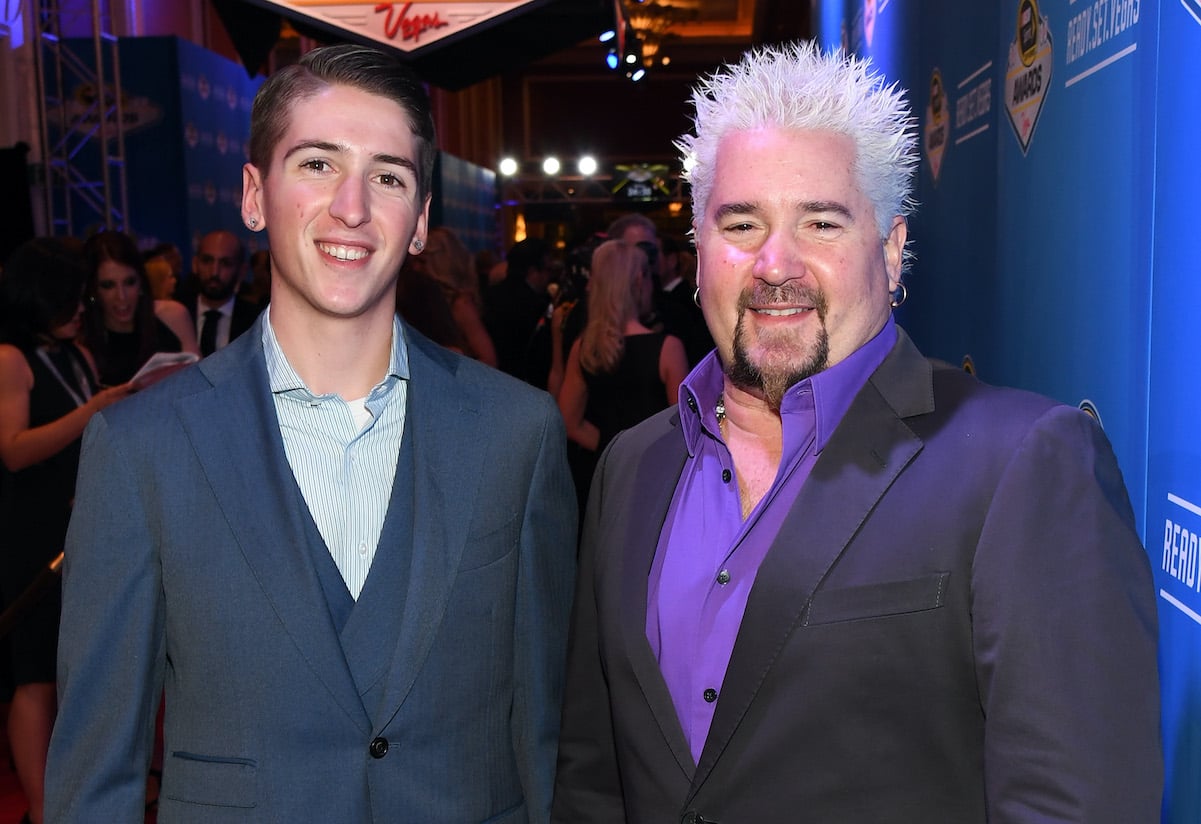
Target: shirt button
710	697
725	476
378	748
692	403
362	549
723	577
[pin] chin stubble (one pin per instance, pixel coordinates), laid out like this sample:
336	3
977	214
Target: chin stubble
772	382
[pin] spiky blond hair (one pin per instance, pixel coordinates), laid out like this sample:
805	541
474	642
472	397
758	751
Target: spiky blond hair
797	86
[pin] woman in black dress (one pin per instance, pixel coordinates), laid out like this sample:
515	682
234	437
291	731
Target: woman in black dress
123	324
619	371
47	395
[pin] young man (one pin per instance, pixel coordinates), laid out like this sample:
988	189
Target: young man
840	583
346	552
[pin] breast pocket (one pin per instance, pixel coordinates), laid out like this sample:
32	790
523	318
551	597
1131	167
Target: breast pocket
489	542
880	600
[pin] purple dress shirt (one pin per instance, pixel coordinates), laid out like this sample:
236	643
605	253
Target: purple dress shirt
707	557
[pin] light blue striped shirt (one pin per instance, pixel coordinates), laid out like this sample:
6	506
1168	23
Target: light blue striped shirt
344	470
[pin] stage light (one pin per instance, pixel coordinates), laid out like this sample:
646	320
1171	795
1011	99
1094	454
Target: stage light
587	165
607	36
508	167
638	74
611	59
551	165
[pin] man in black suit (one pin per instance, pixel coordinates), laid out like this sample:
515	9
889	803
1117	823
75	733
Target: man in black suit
515	306
211	293
677	306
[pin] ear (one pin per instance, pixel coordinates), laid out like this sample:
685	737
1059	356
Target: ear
422	228
252	198
894	251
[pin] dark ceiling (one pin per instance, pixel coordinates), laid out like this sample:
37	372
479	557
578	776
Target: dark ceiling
557	95
571	103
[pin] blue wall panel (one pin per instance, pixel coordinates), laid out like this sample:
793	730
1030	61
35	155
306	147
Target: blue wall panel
1055	244
1174	442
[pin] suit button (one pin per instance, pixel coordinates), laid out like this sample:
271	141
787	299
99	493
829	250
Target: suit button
378	748
710	697
692	817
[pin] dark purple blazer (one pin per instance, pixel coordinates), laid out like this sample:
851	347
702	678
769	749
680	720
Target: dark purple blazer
956	623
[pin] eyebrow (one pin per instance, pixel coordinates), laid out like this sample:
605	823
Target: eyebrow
805	206
338	148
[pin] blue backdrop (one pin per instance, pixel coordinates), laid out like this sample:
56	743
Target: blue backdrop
1059	193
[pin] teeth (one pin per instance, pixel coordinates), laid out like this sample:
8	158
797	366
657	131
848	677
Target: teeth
780	313
342	252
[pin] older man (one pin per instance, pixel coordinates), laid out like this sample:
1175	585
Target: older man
841	583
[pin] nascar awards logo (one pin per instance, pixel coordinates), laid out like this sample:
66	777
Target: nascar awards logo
1028	75
937	125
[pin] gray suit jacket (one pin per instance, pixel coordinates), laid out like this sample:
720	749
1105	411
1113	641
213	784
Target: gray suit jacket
192	562
955	624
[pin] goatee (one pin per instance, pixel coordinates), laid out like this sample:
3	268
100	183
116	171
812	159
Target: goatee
770	380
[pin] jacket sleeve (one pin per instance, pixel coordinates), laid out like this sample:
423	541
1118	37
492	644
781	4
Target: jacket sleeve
1065	633
545	577
111	645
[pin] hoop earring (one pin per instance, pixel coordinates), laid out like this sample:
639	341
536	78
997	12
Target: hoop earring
696	297
899	295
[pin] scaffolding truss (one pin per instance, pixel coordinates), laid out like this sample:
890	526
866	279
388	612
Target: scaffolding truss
81	120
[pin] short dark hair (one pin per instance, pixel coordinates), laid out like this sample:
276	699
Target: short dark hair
362	67
526	255
622	223
40	288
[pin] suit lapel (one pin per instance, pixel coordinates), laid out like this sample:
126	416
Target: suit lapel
658	471
869	449
442	423
253	483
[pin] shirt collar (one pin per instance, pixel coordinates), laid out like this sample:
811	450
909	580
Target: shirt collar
283	377
833	390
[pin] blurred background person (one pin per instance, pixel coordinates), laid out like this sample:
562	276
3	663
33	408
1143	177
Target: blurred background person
162	280
422	302
515	306
123	324
570	309
451	264
676	302
257	290
619	372
169	254
219	314
48	392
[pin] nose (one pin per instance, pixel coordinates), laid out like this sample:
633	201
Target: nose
779	258
126	292
350	201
